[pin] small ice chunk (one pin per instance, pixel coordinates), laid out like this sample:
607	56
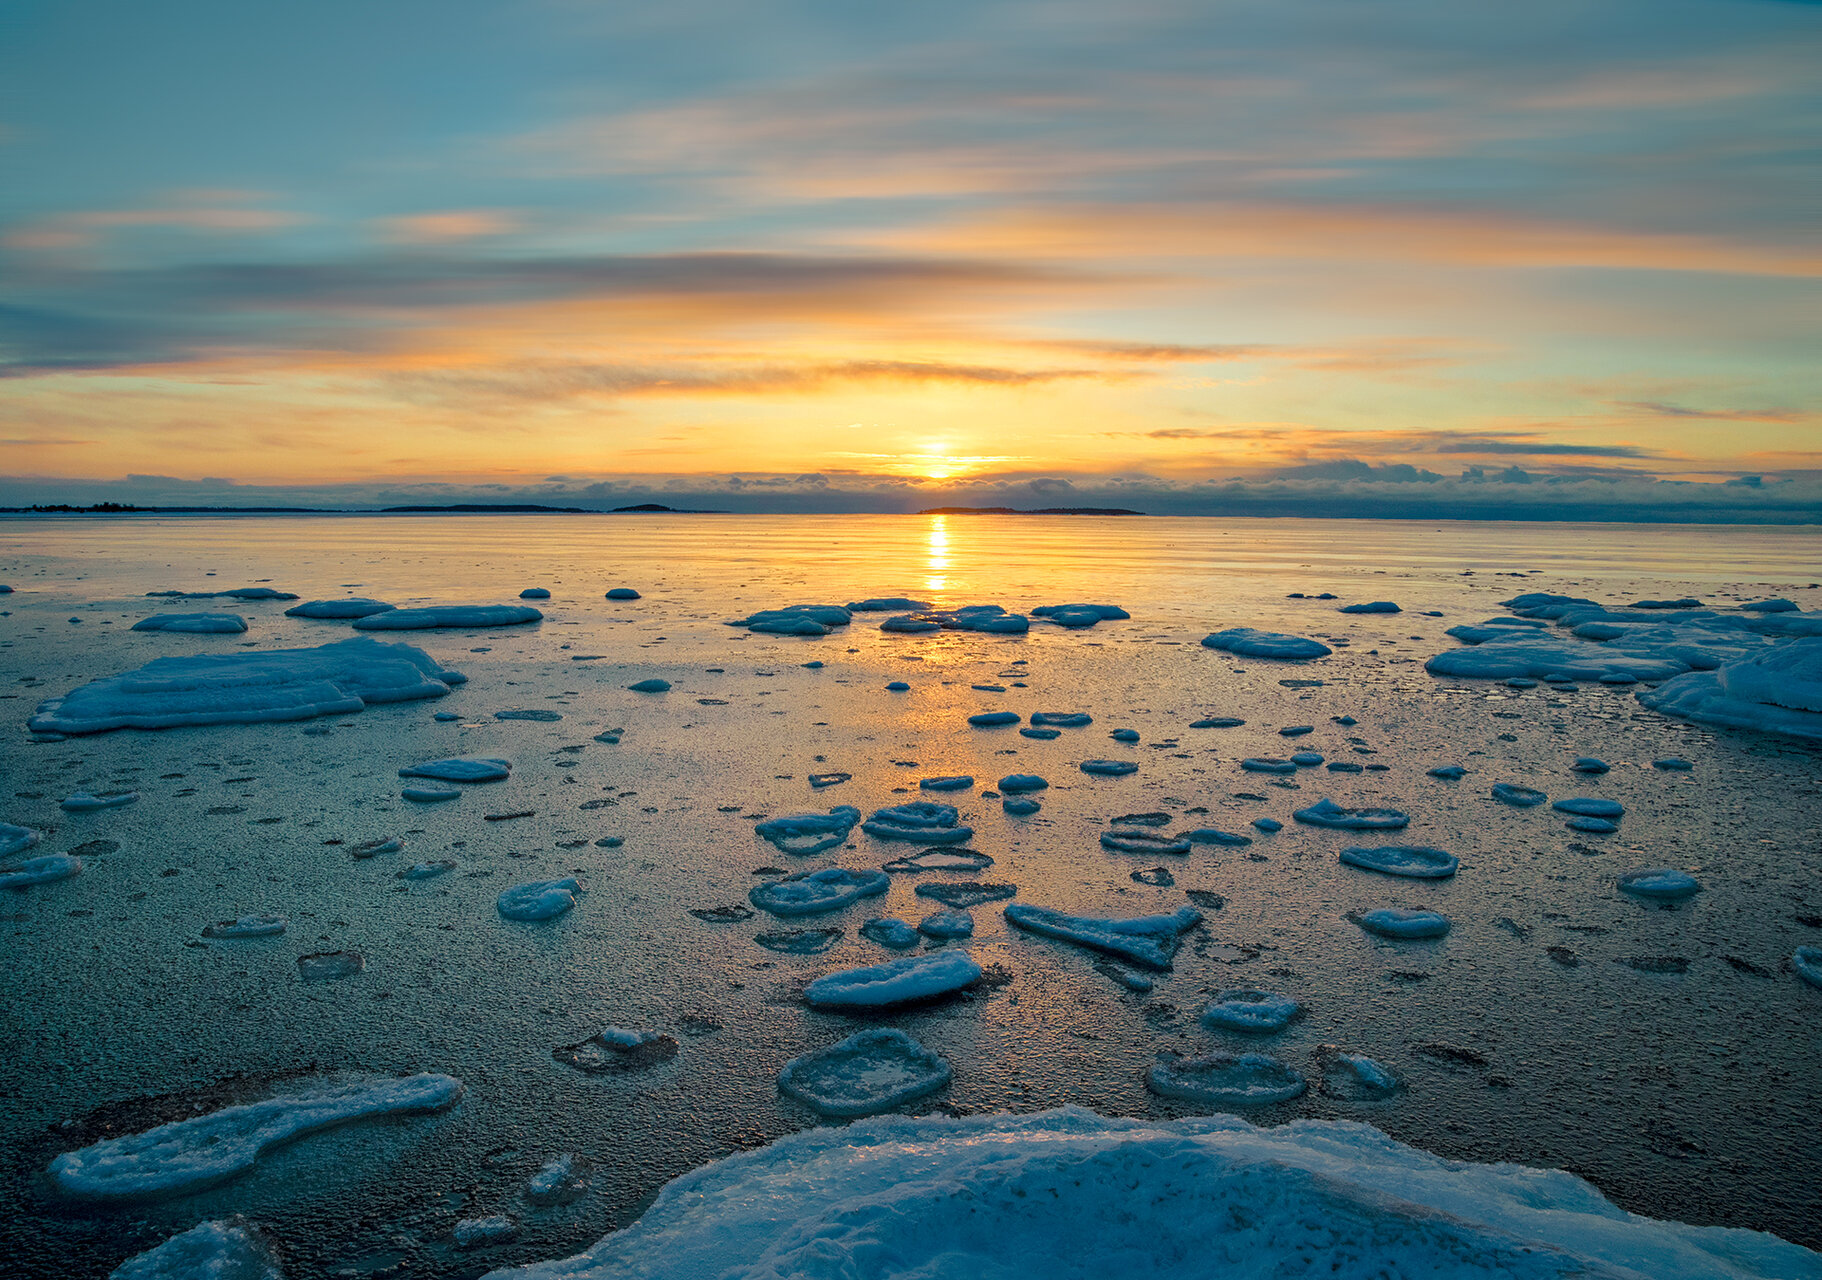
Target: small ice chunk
1371	606
460	769
495	1228
871	1071
1061	719
1020	806
820	780
1213	835
961	894
430	795
426	870
16	839
923	820
1352	1077
1267	764
1590	807
805	834
217	1250
83	802
1250	1010
1326	813
1450	772
330	966
1109	768
1296	730
895	982
1251	643
1124	735
798	942
1307	759
1416	861
201	624
811	892
238	593
958	782
1595	826
350	607
1268	824
651	685
562	1180
543	715
1018	783
1346	766
1149	941
1589	764
910	625
941	860
187	1154
1143	842
445	717
946	925
535	593
373	848
617	1049
454	615
1673	764
246	927
1807	961
1396	922
1216	722
1664	883
887	604
889	931
1157	877
990	719
1513	794
622	593
1081	615
897	686
1226	1079
1521	682
538	899
795	620
44	869
1776	605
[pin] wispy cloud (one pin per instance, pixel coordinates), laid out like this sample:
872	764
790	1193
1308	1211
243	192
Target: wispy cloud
1665	409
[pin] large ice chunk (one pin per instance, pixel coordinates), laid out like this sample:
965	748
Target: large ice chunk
1150	941
449	615
894	982
1776	691
219	1250
1251	643
242	688
872	1070
796	620
187	1154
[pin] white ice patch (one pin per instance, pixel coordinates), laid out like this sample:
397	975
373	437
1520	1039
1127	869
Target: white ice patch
1664	883
244	688
452	615
1150	941
879	986
199	624
45	869
871	1071
460	769
923	820
1419	862
188	1154
1250	1010
539	900
1250	643
208	1251
1397	922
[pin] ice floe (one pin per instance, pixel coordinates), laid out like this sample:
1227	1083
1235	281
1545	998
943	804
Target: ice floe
1306	759
1214	835
1448	772
1663	883
1397	922
1672	764
993	719
1122	735
535	593
811	892
350	607
1513	794
1589	765
871	1071
804	834
946	925
1777	691
330	966
1143	842
1326	813
1594	826
430	795
1267	764
266	926
1079	615
617	1049
1019	783
941	860
539	899
890	931
242	688
622	593
1061	719
1352	1077
14	839
1109	768
238	593
201	624
217	1250
960	782
189	1154
795	620
1250	1010
83	802
887	604
798	942
923	820
460	769
562	1180
651	685
1226	1079
426	870
1148	941
449	616
1807	961
473	1233
1415	861
1371	606
543	715
989	618
961	894
1250	643
897	686
376	846
895	982
1590	807
1020	806
1268	825
47	868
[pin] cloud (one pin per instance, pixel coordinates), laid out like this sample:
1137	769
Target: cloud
1544	449
1664	409
75	230
447	225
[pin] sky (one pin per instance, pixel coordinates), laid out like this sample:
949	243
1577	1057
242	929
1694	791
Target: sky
1454	257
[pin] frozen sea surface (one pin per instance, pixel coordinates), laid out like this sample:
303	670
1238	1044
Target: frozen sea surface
1683	1087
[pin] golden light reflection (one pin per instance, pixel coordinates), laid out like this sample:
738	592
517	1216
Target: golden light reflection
936	554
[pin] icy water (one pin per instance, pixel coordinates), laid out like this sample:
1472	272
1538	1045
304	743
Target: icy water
1668	1055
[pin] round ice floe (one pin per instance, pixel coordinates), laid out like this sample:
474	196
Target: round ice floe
1250	1010
538	900
1513	794
1226	1079
947	924
989	719
1589	764
1062	719
941	860
923	820
460	769
897	686
83	802
1450	772
535	593
246	927
1594	826
1665	883
1267	764
1590	807
1396	922
16	839
957	782
1268	825
1416	861
810	892
44	869
220	1250
622	593
1326	813
186	1154
1020	806
1143	842
1109	768
351	607
229	624
651	685
1354	1078
808	833
1250	643
890	931
1807	961
895	982
1124	735
872	1070
430	795
1018	783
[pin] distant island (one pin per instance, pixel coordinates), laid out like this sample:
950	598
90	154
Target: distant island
1030	511
454	508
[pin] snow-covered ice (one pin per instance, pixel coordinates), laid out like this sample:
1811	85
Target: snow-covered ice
1398	922
941	860
895	982
1326	813
1589	765
1226	1079
1267	764
871	1071
651	684
1590	807
810	833
1513	794
622	593
460	769
200	624
1248	1009
262	926
617	1049
1665	883
189	1154
330	966
215	1250
83	802
1250	643
426	870
890	931
1079	615
923	820
449	616
539	899
812	892
887	604
376	846
243	688
1149	941
237	593
1268	825
45	869
1143	842
1807	961
1020	806
1416	861
349	607
16	839
430	795
1352	1077
562	1180
1371	606
1776	691
955	782
1448	772
798	942
1214	835
1109	768
1672	764
1061	719
535	593
946	925
1019	783
961	894
993	719
795	620
1595	826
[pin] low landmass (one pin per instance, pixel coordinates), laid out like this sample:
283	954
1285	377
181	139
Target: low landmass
1029	511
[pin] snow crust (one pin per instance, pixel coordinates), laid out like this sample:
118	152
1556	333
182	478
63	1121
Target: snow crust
243	688
1777	691
188	1154
449	615
894	982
